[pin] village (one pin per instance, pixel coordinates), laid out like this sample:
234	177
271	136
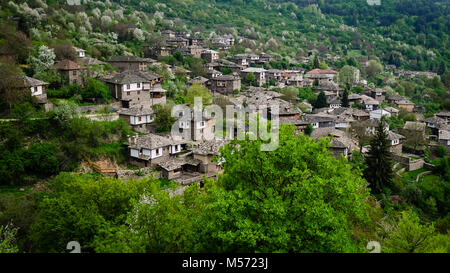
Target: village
349	122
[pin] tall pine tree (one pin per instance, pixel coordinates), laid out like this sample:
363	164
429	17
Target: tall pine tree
379	171
321	100
316	62
345	102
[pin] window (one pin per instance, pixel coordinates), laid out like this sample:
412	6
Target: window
138	86
139	118
74	73
128	93
35	89
157	152
128	86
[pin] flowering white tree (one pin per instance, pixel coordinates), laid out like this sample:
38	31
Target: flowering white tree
138	34
118	14
106	20
65	111
44	60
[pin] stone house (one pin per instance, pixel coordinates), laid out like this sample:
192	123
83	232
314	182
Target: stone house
241	59
81	53
323	76
210	55
274	74
177	42
435	123
225	84
37	88
151	51
335	103
396	142
260	74
152	149
320	120
377	114
378	94
444	139
443	115
395	98
71	72
136	88
205	152
369	103
353	98
124	63
405	104
201	80
196	41
139	119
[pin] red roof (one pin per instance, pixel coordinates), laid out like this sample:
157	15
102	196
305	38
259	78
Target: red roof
321	71
68	65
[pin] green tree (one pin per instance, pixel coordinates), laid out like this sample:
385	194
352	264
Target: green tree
198	90
348	76
379	172
345	101
80	208
163	120
408	236
321	101
250	78
8	239
294	199
373	68
316	62
96	89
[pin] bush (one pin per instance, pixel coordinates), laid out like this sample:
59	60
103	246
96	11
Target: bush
441	151
96	89
42	158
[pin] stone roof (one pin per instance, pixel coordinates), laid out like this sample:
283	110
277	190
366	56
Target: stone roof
319	118
443	114
128	77
152	141
293	121
157	88
391	109
435	120
135	111
254	70
68	65
127	59
404	102
335	101
444	135
209	147
354	96
77	49
394	136
321	71
415	126
91	61
176	163
369	100
336	143
226	78
199	79
396	97
325	132
31	82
